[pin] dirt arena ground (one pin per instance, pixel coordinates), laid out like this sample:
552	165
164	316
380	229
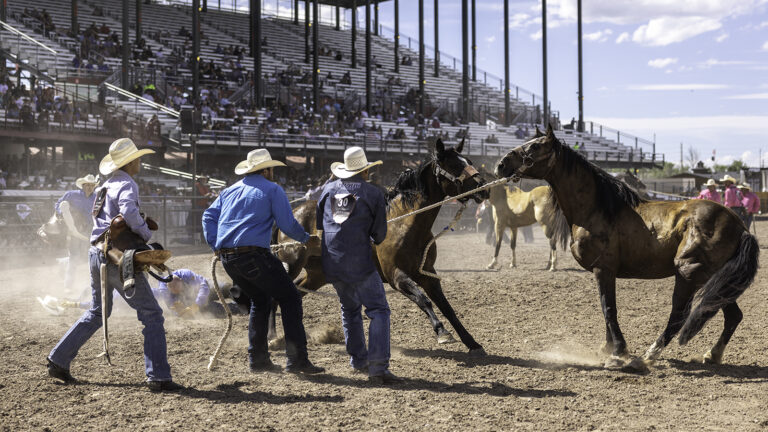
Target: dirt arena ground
541	330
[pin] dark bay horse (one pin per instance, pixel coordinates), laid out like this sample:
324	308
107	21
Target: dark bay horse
615	233
444	173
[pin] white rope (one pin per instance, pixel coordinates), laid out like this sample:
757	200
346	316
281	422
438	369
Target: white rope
431	242
215	355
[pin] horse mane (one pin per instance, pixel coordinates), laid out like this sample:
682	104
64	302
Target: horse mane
409	185
611	194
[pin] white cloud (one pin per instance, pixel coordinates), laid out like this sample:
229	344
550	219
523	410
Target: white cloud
765	46
749	96
622	38
715	62
599	36
490	39
661	63
668	30
721	37
536	36
519	20
677	87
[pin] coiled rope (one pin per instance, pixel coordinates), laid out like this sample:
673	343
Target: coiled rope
215	355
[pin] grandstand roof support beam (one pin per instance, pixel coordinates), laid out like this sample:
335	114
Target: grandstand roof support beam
338	18
437	42
545	102
73	24
195	51
138	20
296	12
4	10
306	31
315	58
474	42
368	56
354	33
465	61
397	36
580	127
506	63
376	17
126	47
421	59
255	10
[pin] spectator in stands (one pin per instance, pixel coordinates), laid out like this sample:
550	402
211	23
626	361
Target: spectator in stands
751	204
519	133
435	123
346	79
407	61
153	131
183	32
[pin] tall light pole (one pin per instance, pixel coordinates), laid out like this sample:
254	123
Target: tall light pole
545	102
581	83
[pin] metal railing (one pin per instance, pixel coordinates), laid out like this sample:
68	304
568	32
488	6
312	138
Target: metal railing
22	53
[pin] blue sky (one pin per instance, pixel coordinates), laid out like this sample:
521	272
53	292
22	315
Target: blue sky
690	71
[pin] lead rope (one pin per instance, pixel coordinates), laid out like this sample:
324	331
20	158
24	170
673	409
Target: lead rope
215	355
431	242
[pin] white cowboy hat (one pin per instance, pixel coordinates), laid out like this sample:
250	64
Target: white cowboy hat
744	186
89	179
258	159
710	182
121	152
354	162
728	178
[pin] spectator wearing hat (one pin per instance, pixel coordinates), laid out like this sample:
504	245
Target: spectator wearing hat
751	204
731	196
119	195
352	213
238	227
75	208
710	193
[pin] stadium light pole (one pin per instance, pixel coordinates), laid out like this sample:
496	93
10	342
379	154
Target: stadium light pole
581	86
354	33
138	20
465	61
397	36
256	51
4	10
545	102
73	24
474	43
306	31
126	46
368	56
315	59
376	17
296	12
421	59
195	51
506	63
437	42
338	18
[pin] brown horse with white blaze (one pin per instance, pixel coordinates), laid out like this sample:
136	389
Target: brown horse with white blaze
615	233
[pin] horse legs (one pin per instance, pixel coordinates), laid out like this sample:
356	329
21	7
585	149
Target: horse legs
435	292
513	244
499	229
411	289
733	317
607	286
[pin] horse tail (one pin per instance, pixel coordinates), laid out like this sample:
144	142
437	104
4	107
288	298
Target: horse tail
724	287
562	229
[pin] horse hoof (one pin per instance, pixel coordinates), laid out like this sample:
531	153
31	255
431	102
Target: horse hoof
614	362
477	352
445	338
710	358
493	266
638	366
513	265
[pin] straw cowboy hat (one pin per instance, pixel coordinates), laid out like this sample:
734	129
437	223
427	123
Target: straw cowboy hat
728	178
354	162
89	179
744	186
710	182
121	152
258	159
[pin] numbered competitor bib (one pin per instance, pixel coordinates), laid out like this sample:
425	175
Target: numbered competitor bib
342	207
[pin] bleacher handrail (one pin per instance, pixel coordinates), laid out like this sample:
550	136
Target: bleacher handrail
181	174
12	29
118	90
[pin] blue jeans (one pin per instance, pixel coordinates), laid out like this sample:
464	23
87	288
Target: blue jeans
262	278
147	310
369	293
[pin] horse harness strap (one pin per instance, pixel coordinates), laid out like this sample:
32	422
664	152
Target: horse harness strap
468	172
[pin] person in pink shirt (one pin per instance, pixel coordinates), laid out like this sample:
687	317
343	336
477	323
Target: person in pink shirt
731	196
710	193
751	204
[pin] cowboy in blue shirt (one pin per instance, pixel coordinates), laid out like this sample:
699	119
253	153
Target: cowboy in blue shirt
238	226
121	196
352	213
188	293
79	205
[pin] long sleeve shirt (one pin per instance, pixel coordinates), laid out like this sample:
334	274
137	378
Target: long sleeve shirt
732	197
243	215
707	194
351	213
122	198
751	202
195	289
81	207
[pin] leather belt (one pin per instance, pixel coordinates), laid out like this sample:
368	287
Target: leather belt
241	249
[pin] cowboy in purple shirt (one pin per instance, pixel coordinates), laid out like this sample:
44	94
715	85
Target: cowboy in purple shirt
121	196
352	213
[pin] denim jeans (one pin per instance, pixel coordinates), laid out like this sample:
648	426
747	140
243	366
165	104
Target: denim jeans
369	293
262	278
147	310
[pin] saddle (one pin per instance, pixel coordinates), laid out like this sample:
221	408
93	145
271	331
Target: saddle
131	253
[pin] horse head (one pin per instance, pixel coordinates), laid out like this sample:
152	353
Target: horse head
456	174
534	159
